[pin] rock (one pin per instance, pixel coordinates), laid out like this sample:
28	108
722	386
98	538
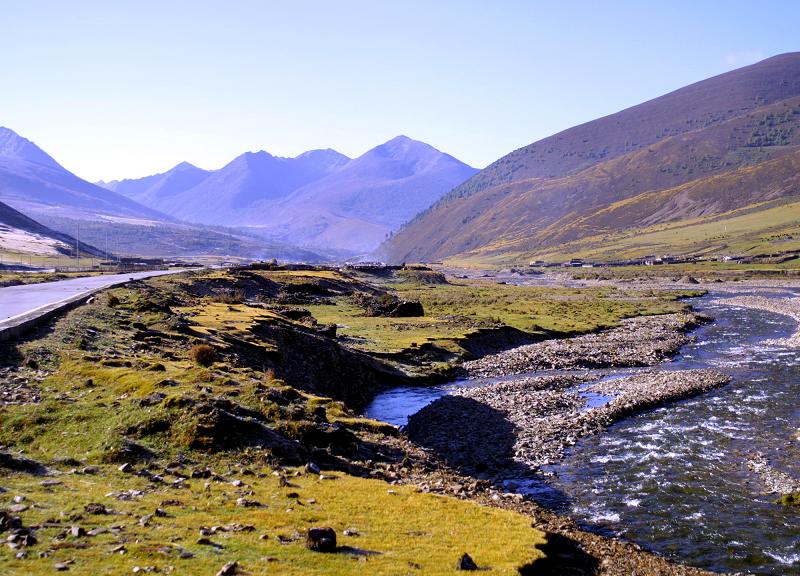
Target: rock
167	383
689	280
152	399
9	522
466	563
126	468
21	537
20	464
321	539
229	569
95	508
77	531
312	468
61	566
387	305
243	502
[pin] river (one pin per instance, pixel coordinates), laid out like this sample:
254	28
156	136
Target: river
675	480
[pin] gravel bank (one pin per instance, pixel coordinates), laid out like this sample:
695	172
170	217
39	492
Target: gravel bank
523	425
642	341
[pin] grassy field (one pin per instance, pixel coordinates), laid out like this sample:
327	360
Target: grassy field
110	395
392	529
454	311
754	230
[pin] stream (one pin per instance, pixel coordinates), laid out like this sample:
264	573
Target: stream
675	479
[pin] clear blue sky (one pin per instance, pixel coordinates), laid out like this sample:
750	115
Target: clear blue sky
117	88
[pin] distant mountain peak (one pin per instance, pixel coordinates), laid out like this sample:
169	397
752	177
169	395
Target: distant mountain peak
320	153
14	146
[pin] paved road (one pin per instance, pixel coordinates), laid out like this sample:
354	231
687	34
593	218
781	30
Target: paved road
24	302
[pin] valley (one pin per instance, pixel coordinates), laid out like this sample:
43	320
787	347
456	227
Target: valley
578	360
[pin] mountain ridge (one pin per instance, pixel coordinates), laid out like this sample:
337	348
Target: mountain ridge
522	204
319	199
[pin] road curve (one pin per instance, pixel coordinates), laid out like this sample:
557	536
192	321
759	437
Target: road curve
22	304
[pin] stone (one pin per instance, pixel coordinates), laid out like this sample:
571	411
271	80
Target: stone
95	508
321	539
77	531
9	522
126	468
229	569
466	563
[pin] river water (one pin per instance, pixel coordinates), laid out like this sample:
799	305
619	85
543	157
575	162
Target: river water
675	479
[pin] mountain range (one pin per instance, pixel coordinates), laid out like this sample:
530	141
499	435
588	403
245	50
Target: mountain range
35	185
33	182
320	199
710	168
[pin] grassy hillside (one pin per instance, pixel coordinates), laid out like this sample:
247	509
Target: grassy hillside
744	153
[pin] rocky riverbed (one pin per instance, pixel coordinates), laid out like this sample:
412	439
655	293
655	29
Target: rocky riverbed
522	425
642	341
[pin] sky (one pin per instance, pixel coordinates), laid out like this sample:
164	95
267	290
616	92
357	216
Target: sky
120	89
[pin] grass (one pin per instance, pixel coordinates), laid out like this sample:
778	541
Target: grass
399	530
8	278
456	310
753	230
99	373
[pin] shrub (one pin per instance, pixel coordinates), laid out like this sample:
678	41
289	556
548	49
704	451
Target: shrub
112	300
203	354
229	296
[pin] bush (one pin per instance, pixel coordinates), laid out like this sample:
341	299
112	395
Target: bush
236	296
112	300
203	354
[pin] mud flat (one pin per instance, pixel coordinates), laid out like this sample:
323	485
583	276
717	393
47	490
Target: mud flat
641	341
522	425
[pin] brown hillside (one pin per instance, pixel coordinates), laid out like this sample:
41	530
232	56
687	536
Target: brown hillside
576	183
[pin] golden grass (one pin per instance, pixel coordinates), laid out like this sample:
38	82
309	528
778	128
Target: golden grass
400	530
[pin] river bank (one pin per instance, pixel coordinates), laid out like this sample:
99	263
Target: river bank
516	427
571	550
640	341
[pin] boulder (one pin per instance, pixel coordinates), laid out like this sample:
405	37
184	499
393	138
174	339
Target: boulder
466	563
321	539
